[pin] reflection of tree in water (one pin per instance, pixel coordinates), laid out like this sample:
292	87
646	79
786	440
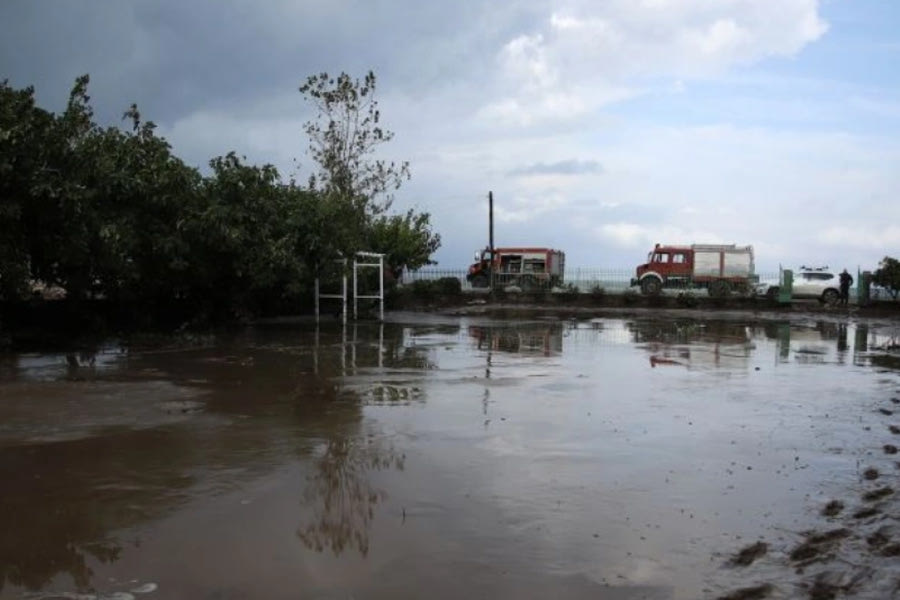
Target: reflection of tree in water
344	500
61	500
34	565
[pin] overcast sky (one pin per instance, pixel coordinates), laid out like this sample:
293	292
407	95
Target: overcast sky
601	126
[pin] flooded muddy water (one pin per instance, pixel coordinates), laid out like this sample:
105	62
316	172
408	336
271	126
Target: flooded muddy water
449	457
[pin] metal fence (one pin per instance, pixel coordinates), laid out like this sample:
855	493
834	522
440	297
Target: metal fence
586	279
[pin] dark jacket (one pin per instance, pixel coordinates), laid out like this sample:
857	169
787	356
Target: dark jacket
846	280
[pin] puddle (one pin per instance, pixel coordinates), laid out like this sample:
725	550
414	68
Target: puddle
458	456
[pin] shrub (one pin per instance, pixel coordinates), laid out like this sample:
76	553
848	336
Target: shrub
630	297
686	299
888	275
449	286
657	301
568	292
423	289
597	293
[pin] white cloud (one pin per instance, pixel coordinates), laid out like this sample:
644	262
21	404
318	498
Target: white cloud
587	54
627	235
643	237
526	208
863	236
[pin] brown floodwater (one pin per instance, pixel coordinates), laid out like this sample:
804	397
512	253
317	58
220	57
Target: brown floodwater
450	457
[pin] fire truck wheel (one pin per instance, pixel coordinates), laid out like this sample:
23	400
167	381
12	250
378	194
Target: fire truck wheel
651	286
479	281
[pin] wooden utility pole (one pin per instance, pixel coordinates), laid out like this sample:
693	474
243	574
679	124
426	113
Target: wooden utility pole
491	233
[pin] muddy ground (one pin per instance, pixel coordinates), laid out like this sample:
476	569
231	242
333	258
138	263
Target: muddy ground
503	452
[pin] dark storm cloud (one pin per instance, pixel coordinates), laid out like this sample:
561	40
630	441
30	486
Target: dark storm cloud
563	167
173	58
169	57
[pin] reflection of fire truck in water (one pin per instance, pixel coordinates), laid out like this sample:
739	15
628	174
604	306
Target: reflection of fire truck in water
526	268
525	339
695	345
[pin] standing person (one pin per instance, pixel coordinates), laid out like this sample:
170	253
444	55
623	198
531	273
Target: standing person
846	282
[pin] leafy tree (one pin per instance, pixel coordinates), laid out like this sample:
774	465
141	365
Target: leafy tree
406	240
888	275
352	185
108	212
24	131
139	196
90	209
241	244
45	201
343	138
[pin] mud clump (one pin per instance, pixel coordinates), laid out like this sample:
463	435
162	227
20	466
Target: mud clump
757	592
749	554
877	494
880	538
890	550
817	544
865	513
894	429
890	449
885	411
870	474
822	590
834	584
833	508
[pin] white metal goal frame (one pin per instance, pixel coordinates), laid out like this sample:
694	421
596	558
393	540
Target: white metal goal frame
368	260
360	260
342	296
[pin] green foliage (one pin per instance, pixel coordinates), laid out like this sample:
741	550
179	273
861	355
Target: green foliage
24	133
407	241
422	288
428	289
113	214
630	297
342	139
597	294
353	189
449	286
686	300
569	292
888	275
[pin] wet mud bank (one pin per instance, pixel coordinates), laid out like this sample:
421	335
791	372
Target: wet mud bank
854	549
580	305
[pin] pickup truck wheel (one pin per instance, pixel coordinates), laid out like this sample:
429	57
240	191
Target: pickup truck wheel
480	281
830	297
719	289
651	286
772	293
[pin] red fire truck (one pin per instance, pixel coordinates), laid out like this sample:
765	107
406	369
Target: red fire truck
719	268
527	268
